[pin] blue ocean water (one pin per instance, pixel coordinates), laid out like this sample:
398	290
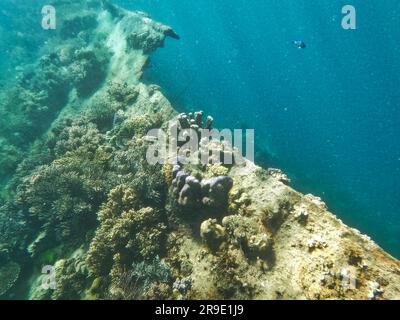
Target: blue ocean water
327	115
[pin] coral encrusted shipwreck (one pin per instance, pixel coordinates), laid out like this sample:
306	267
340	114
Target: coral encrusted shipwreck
78	195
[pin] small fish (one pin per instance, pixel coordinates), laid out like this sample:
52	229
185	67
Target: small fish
299	44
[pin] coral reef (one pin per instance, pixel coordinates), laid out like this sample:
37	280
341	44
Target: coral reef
127	234
63	196
78	194
88	71
194	121
71	275
9	274
149	34
278	174
252	237
10	156
212	233
144	280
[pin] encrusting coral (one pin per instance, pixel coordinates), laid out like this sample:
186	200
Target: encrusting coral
212	233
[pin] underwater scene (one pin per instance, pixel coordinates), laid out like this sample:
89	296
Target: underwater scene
199	150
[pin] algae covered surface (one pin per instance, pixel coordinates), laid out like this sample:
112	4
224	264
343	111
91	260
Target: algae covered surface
85	215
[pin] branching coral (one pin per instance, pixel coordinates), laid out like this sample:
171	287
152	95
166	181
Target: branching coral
10	156
9	274
72	277
130	163
13	230
67	174
88	70
127	234
198	142
122	92
107	110
195	121
75	136
62	197
137	126
147	279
